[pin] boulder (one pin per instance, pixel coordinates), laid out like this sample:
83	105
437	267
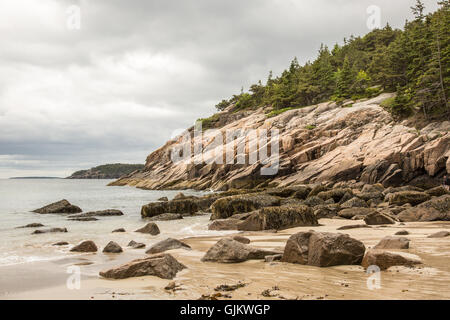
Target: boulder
354	202
314	201
62	206
136	245
385	259
31	225
149	228
373	188
167	244
60	243
163	199
179	196
161	265
317	189
437	191
279	218
241	239
336	194
112	247
326	211
50	230
119	230
85	246
152	209
411	197
440	234
371	196
377	218
323	249
231	251
226	207
433	210
393	243
166	217
402	233
352	212
224	224
100	213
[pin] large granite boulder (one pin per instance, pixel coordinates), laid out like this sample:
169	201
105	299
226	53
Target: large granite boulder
378	218
62	206
279	218
323	249
167	244
393	243
231	251
161	265
226	207
385	259
85	246
149	228
432	210
411	197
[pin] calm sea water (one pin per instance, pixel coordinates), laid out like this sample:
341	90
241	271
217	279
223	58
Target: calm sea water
19	197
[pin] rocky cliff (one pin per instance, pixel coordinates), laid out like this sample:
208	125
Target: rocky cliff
107	171
320	143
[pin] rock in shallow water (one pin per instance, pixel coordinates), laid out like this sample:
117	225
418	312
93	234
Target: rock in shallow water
385	259
231	251
167	244
31	225
62	206
440	234
51	230
112	247
161	265
323	249
85	246
136	245
149	228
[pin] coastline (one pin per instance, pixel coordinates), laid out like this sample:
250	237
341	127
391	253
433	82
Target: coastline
47	280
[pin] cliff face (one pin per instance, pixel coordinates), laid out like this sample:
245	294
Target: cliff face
320	143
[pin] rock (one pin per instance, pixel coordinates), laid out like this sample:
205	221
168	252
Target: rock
85	246
150	228
371	196
403	197
119	230
440	234
230	251
31	225
302	192
385	259
51	230
179	196
354	202
60	243
336	194
163	199
402	233
279	218
152	209
226	207
167	244
101	213
326	211
317	189
112	247
166	217
275	257
241	239
353	226
352	212
232	287
161	265
83	219
136	245
62	206
437	191
314	201
436	209
373	188
323	249
393	243
224	224
377	218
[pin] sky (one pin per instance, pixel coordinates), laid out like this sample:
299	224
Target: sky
83	83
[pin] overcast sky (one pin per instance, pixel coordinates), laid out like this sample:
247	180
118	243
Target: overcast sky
116	89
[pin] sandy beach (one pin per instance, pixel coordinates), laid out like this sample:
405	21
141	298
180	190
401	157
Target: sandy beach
47	280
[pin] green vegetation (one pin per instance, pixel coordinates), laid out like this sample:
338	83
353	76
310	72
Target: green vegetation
414	62
310	126
277	112
208	123
107	171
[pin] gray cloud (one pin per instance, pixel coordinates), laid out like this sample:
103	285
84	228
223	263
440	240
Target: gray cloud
137	70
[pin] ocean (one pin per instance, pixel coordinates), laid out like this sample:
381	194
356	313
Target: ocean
19	197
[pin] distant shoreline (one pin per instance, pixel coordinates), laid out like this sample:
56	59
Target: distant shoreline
24	178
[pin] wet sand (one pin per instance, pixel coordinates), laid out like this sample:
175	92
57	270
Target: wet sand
47	280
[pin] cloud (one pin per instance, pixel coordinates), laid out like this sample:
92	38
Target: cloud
116	89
